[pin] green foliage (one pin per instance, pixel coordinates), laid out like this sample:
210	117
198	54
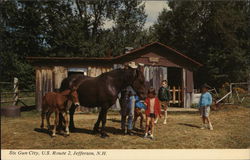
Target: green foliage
64	28
215	33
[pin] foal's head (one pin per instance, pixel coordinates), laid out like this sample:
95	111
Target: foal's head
74	96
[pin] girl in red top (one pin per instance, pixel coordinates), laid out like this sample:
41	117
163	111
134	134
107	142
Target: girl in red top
153	109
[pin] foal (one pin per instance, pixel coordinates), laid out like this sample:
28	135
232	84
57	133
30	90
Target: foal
58	103
138	113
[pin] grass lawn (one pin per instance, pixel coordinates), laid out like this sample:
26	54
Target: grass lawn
231	130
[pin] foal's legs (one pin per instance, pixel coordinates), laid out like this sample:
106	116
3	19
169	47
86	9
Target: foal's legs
66	117
48	114
55	123
135	119
43	117
141	120
61	121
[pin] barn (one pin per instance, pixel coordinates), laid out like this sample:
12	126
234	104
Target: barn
159	61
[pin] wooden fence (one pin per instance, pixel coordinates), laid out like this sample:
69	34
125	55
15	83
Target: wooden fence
12	95
176	95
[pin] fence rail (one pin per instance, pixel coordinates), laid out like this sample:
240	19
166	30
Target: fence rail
176	95
15	92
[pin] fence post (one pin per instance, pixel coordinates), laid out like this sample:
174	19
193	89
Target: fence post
15	96
174	98
0	96
179	95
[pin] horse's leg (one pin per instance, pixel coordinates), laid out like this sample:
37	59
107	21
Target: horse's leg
71	114
61	121
97	124
104	117
43	117
55	123
48	114
66	117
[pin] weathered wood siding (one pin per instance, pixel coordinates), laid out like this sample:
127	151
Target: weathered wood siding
59	73
96	71
188	87
189	81
154	75
44	84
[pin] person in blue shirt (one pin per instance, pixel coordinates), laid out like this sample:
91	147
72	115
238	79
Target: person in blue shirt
204	104
127	102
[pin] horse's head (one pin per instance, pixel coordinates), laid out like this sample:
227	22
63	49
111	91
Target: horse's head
138	82
74	96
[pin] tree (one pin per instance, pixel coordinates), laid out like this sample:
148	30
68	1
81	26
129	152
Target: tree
129	22
65	28
215	33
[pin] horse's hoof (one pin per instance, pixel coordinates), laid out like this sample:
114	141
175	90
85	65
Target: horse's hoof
95	132
53	136
72	129
104	135
42	127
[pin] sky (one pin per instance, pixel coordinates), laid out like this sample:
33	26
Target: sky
152	9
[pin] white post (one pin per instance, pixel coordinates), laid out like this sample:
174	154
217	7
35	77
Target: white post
15	96
248	81
0	96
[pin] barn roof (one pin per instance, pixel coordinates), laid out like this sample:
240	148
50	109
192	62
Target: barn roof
110	60
134	51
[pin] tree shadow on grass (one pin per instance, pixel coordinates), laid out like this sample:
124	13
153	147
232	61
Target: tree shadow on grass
189	125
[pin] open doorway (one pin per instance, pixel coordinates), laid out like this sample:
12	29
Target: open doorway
73	71
174	76
175	83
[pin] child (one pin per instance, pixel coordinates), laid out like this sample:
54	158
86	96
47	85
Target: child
164	97
153	109
204	104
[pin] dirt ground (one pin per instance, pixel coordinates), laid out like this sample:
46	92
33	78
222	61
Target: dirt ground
231	130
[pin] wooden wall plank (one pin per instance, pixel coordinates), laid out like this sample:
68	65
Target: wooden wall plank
38	89
189	81
59	73
184	88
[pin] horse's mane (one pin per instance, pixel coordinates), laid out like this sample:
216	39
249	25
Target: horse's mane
65	92
113	72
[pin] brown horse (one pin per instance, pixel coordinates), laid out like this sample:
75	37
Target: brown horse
102	91
58	103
